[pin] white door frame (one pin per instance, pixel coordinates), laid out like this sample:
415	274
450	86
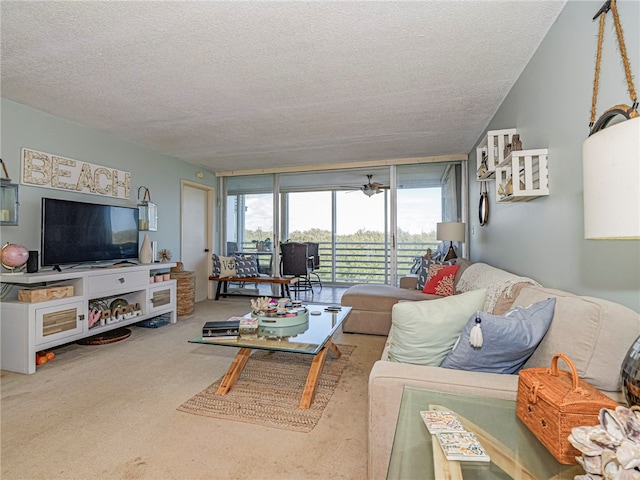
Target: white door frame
210	223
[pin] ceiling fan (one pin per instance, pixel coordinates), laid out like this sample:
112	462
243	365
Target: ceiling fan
370	188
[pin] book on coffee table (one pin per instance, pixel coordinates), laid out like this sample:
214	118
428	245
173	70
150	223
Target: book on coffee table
217	329
462	447
248	324
221	337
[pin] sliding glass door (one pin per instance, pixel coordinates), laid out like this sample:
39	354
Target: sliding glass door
362	237
370	223
426	195
249	220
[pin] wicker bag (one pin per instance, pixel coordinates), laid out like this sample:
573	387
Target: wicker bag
551	402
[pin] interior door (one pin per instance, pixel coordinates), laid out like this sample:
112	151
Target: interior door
197	234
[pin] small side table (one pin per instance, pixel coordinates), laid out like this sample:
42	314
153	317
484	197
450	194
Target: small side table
522	455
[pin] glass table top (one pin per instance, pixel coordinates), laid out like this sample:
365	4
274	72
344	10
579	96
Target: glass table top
308	337
524	455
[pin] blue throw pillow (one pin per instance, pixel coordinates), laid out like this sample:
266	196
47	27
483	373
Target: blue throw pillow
246	266
507	341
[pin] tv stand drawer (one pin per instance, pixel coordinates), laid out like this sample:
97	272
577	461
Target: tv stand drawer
100	284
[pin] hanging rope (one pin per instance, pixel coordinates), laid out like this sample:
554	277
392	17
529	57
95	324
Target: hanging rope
629	112
594	97
623	53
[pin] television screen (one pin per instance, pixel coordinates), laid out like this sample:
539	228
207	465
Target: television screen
78	232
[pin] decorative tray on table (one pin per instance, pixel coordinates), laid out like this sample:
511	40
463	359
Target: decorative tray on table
284	318
282	332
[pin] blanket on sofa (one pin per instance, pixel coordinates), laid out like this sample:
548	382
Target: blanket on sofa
496	281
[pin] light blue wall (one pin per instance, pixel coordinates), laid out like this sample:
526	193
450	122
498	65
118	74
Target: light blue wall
25	127
550	107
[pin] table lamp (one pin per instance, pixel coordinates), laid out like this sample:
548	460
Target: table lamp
450	232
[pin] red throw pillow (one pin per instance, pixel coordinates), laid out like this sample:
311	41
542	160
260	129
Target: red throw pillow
441	280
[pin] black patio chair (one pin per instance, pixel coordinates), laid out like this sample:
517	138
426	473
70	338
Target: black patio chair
314	261
294	262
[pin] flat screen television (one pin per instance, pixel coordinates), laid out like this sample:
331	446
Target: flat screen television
79	232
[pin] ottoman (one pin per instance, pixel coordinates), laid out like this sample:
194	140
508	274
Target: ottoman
371	306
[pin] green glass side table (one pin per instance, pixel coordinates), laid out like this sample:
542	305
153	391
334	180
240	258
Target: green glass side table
515	452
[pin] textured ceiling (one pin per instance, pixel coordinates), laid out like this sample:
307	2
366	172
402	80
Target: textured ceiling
243	85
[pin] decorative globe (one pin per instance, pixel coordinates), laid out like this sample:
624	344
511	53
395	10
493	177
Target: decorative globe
630	373
14	255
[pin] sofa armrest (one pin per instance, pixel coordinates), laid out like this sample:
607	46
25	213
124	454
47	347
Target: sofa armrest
410	282
386	383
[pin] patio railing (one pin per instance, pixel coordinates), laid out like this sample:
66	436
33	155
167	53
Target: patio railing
364	262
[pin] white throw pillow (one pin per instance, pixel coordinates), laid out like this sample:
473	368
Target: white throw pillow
227	267
425	331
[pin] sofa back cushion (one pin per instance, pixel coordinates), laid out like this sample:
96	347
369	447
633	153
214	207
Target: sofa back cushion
594	333
425	331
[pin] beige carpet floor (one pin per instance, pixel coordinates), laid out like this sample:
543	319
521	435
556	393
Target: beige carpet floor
109	412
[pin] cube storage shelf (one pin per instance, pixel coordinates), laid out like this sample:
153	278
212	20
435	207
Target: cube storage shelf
521	176
28	327
491	150
528	172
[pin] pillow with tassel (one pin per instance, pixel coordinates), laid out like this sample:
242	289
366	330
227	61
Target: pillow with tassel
501	344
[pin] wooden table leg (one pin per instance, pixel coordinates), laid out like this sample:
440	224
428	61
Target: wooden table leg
314	373
333	348
234	371
443	468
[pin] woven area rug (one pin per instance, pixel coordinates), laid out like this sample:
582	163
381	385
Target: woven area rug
269	390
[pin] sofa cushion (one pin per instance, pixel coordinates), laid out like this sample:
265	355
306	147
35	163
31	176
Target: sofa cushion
441	280
594	333
505	301
499	283
374	297
508	340
425	331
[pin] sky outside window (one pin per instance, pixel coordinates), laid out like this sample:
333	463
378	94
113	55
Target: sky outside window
419	209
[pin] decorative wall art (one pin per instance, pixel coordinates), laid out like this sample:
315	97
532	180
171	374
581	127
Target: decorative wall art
52	171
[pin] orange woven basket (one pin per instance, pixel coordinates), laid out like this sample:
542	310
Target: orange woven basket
551	402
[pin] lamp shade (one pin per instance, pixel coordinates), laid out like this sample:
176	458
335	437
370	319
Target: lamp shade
450	231
611	176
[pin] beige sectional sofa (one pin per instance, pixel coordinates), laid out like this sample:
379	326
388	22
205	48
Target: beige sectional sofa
594	333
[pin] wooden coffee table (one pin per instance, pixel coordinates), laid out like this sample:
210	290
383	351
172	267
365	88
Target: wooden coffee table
311	339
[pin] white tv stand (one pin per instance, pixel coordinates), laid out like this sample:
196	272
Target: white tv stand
29	327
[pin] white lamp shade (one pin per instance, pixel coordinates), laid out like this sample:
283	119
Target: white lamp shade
450	231
611	164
